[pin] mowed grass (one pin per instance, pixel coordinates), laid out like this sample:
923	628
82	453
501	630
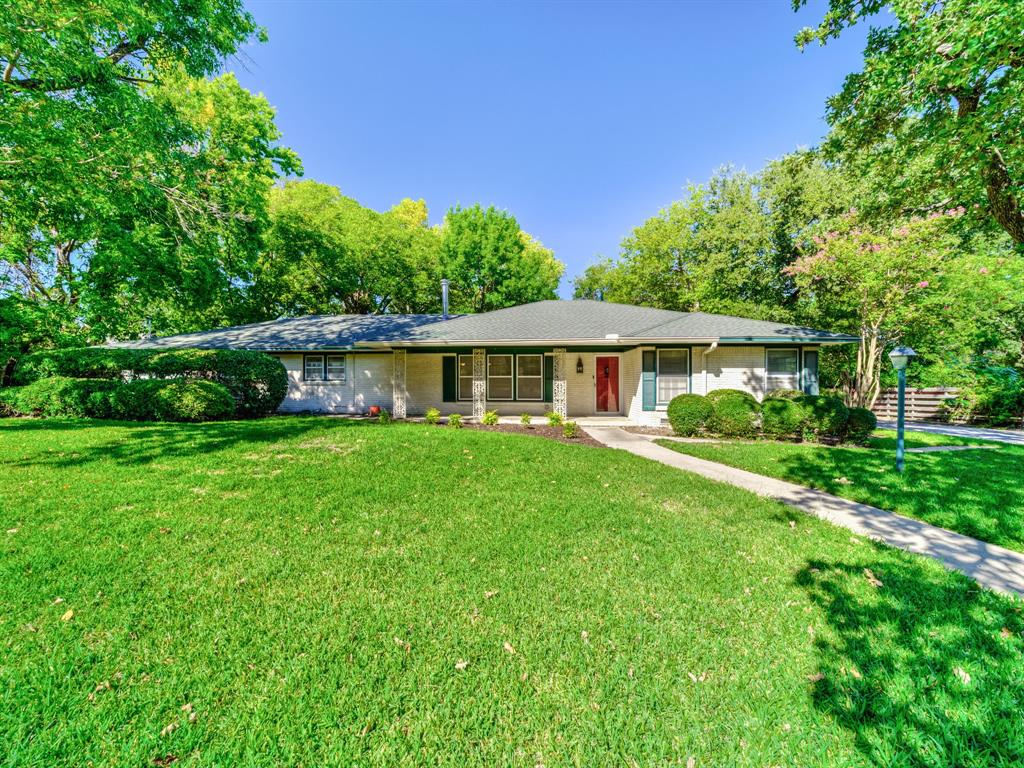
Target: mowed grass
977	492
315	592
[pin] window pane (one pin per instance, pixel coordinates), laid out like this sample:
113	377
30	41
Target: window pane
466	365
336	367
673	362
314	368
782	362
465	387
670	386
531	389
499	365
530	365
500	389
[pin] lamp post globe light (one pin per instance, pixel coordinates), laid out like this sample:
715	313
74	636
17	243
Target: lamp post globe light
900	356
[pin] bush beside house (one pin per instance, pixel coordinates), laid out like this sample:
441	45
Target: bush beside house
146	385
784	415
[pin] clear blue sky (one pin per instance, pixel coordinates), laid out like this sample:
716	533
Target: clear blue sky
582	119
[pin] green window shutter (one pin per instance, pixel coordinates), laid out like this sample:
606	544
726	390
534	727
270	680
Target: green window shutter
449	379
549	378
650	389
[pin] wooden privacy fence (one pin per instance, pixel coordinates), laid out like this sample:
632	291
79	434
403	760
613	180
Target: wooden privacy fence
919	405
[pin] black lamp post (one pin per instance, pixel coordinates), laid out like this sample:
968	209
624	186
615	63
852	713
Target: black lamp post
900	357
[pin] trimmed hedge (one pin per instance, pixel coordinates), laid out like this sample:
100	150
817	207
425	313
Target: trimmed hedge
56	396
258	382
826	415
689	414
859	425
782	418
784	394
168	400
734	413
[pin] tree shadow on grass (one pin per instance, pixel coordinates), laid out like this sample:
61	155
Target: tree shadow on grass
142	443
977	493
925	670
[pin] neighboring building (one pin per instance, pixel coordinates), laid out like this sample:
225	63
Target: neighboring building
579	358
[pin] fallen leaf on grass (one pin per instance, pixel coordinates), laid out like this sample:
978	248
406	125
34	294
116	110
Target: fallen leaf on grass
58	600
691	762
792	523
872	579
1005	633
68	615
12	530
844	481
509	648
490	593
461	664
854	672
815	677
169	729
403	644
962	675
165	760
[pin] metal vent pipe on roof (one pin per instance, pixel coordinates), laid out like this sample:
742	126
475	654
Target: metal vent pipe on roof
444	298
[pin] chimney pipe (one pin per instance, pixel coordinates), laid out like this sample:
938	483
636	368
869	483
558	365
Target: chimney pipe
444	298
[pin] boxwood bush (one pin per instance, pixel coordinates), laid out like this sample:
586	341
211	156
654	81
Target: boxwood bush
859	425
169	400
826	416
689	414
784	394
56	396
782	418
734	413
258	382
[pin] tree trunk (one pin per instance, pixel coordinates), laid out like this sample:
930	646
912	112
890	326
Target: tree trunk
1004	205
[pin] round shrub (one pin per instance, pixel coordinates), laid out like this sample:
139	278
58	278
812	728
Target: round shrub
826	416
782	418
58	396
171	400
784	394
859	425
734	413
689	414
258	382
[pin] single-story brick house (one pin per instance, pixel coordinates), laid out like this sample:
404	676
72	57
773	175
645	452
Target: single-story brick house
579	358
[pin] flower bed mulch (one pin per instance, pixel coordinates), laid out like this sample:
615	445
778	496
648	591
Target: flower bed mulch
537	430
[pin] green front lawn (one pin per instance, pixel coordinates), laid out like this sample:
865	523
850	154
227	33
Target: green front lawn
978	492
315	592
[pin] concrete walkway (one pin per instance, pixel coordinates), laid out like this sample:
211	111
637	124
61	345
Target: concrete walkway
1014	436
992	566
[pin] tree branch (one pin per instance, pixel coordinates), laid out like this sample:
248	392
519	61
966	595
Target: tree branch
121	51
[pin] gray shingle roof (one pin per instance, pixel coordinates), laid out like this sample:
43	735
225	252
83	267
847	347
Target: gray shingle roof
555	322
293	333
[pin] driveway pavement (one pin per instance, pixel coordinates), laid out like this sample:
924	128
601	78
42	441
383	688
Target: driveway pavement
992	566
1014	436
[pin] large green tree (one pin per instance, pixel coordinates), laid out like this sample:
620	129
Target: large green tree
327	254
934	117
492	263
724	246
130	186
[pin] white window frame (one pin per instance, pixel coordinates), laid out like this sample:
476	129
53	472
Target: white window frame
768	386
306	360
459	377
511	377
539	377
327	368
659	376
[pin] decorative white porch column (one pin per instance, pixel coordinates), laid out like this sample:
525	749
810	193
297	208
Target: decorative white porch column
559	389
398	393
479	383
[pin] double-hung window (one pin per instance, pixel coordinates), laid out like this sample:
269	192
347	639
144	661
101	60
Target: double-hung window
673	374
313	368
465	377
499	377
783	369
529	377
335	367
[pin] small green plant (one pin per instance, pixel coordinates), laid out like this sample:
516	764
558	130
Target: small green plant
432	416
490	418
525	419
455	421
735	413
782	418
570	430
554	418
384	417
826	417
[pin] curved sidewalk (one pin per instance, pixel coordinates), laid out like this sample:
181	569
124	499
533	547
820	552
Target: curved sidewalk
992	566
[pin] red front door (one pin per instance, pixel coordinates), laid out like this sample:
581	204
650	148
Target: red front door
608	385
